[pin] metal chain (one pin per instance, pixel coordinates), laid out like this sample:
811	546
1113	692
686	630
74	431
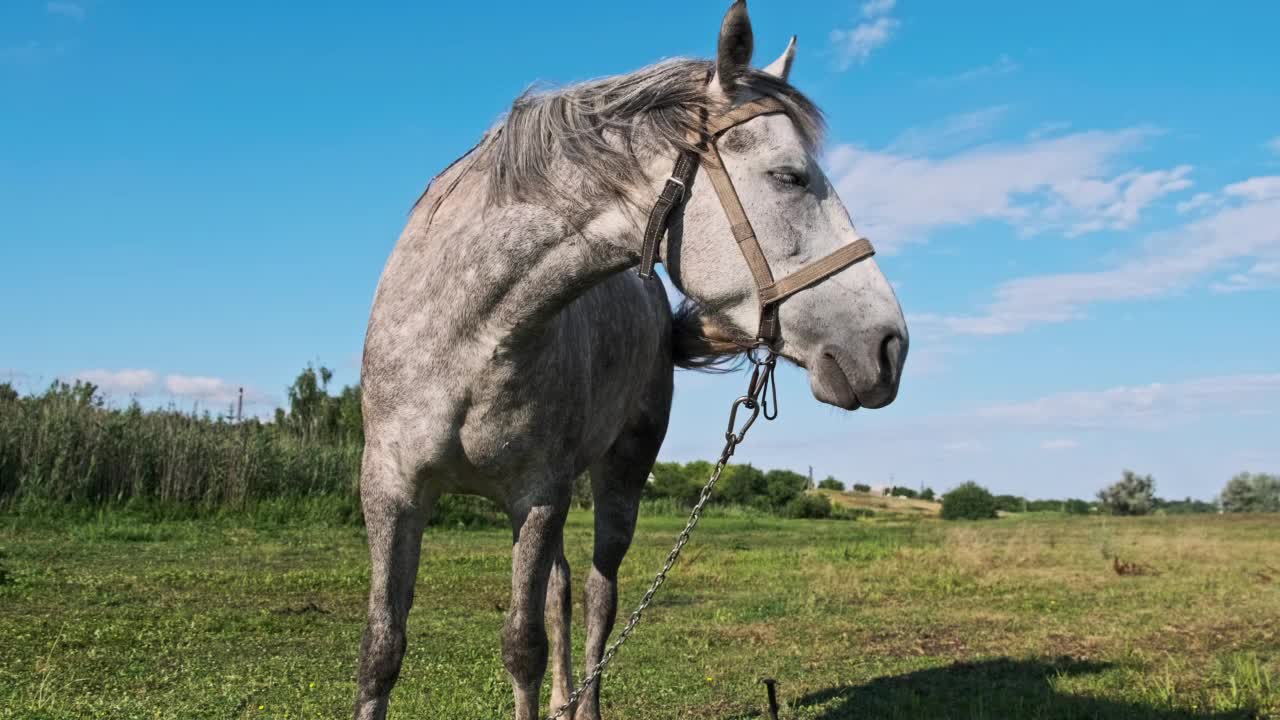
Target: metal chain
761	378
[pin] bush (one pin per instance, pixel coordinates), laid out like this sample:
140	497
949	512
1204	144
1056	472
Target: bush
1011	503
969	501
1134	494
808	506
782	486
1184	507
831	483
860	487
740	485
467	511
899	491
927	494
851	513
1248	492
670	481
1076	506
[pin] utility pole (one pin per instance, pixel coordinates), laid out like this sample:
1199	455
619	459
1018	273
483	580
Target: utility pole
240	406
811	485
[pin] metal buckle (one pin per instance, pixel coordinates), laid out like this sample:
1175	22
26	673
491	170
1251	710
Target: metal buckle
678	181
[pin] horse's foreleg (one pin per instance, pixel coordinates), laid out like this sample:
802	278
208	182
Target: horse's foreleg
538	541
394	520
617	482
559	617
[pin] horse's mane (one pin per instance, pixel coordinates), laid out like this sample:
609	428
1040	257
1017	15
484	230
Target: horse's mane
602	128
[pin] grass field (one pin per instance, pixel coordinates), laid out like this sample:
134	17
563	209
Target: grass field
1017	618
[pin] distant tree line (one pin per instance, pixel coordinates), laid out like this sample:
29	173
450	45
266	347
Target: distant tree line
782	492
1132	495
65	445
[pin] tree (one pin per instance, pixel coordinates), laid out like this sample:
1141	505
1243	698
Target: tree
1076	506
1011	503
969	501
1251	492
7	393
899	491
1134	494
862	487
927	494
669	481
830	483
741	485
783	485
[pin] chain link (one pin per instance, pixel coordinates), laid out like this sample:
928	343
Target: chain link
761	377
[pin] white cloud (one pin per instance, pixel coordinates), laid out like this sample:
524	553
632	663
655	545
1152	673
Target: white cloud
1002	66
1059	444
1145	406
211	390
1170	261
130	382
1199	201
1114	204
877	8
1066	183
1260	275
120	382
1255	189
960	130
74	10
856	44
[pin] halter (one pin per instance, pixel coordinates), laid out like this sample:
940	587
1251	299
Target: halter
769	292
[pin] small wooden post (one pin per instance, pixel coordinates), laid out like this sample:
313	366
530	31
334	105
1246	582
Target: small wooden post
772	684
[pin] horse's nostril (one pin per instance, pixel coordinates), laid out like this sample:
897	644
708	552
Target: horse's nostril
891	355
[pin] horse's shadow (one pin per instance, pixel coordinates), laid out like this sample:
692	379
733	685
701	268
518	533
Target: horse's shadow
1001	688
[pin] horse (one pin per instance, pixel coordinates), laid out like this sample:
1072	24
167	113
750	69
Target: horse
509	349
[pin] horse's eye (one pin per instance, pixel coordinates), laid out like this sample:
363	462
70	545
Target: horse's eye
788	177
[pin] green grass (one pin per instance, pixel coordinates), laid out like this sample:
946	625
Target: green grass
113	616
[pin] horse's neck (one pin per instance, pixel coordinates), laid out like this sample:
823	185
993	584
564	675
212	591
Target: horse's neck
515	267
552	262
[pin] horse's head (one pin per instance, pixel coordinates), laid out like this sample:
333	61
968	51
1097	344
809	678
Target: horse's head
847	330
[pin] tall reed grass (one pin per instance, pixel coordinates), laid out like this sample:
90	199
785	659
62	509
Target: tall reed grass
66	447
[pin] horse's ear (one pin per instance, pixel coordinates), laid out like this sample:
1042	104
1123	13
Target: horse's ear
733	58
781	68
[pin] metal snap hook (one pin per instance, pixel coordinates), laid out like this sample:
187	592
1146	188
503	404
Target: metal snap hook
732	433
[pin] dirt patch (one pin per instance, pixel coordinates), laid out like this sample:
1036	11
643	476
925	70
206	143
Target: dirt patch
1131	569
309	608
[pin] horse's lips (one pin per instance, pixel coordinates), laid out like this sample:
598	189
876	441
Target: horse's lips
830	384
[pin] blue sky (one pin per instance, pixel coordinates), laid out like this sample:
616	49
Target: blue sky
1079	205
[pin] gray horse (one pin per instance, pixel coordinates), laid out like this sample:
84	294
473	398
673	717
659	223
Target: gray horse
508	351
